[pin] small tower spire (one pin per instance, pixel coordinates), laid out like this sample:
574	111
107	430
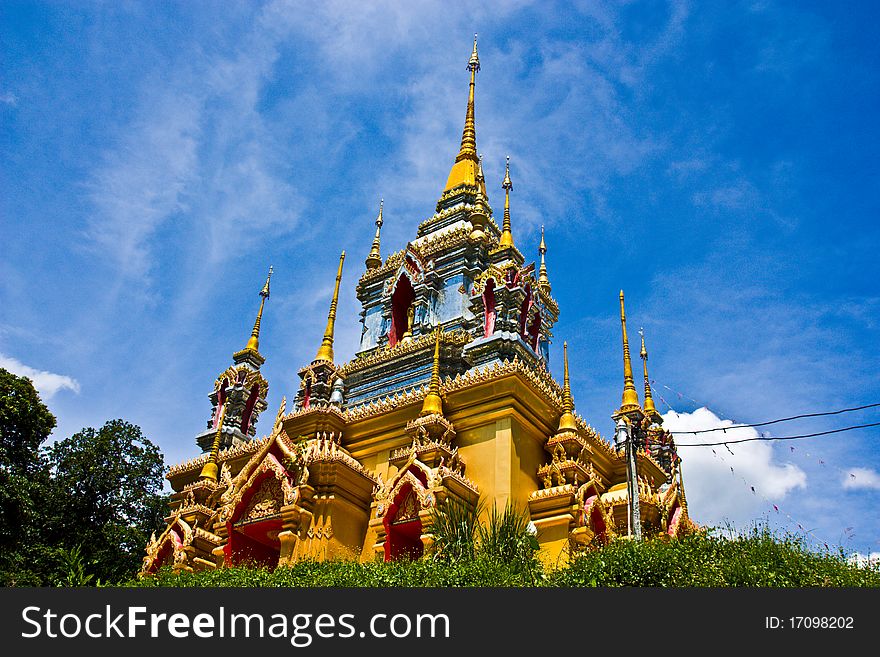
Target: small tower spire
254	341
374	260
506	236
210	469
567	421
469	134
630	400
650	408
433	403
479	217
464	171
325	351
543	281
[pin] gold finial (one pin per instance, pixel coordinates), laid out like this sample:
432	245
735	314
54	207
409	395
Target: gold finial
374	260
630	400
479	216
254	341
650	408
543	281
325	351
433	403
506	236
474	63
567	421
464	171
210	470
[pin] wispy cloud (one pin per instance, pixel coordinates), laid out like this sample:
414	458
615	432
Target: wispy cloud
861	478
143	181
8	98
48	383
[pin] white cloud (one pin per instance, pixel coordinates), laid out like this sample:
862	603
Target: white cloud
717	494
859	559
48	383
8	98
862	478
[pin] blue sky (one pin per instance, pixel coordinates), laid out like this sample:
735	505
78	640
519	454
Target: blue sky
718	161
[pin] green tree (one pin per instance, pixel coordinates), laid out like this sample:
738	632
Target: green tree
107	497
25	423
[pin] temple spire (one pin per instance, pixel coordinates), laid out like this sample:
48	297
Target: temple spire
433	403
374	260
543	281
469	134
325	351
650	408
464	171
567	421
479	216
210	469
254	341
506	240
630	400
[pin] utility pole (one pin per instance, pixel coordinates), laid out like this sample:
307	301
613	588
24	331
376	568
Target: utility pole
633	515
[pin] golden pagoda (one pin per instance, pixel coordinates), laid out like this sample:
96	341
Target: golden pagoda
448	398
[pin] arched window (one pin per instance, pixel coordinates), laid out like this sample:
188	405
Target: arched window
489	308
307	394
401	300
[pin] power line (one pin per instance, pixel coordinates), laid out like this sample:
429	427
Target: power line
806	435
784	419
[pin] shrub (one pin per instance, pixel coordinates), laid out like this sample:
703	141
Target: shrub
503	555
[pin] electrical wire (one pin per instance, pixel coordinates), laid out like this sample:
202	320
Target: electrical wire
768	438
784	419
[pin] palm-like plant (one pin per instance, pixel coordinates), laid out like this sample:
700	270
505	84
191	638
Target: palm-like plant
454	528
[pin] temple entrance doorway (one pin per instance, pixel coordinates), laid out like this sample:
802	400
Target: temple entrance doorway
403	529
253	533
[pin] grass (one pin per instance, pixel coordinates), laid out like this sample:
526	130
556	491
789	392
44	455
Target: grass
756	558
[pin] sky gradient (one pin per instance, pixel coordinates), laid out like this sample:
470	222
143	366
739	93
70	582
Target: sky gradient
717	161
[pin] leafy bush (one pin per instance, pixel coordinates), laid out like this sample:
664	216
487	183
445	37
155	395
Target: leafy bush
755	558
505	539
454	528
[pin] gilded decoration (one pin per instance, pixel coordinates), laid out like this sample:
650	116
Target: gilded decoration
327	447
244	376
295	475
178	535
266	501
408	509
456	337
392	262
387	493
